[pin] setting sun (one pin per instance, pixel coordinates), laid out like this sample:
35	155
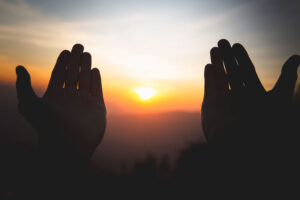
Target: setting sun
145	93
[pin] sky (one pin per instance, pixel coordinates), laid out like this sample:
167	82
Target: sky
162	44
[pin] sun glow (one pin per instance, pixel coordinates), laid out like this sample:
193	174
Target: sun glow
145	93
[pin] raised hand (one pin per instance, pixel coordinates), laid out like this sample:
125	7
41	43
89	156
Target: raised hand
236	106
71	117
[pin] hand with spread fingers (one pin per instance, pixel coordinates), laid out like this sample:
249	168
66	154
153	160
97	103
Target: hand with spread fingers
235	102
71	117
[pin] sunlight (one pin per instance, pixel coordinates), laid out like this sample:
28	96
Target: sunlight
145	93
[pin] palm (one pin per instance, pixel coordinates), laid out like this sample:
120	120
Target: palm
81	117
68	120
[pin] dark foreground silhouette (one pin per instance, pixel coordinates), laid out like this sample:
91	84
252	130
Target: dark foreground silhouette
252	136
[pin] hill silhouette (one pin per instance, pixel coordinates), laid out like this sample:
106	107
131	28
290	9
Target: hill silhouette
129	138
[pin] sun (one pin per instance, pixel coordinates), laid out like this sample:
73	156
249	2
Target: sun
145	93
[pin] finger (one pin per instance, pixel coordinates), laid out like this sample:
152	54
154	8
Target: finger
25	92
73	68
211	79
59	71
285	85
85	73
96	86
230	65
249	75
216	60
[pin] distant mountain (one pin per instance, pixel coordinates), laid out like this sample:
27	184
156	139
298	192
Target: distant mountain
128	138
132	137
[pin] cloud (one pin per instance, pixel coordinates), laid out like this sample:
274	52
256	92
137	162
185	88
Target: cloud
169	44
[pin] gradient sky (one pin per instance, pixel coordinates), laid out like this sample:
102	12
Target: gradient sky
160	44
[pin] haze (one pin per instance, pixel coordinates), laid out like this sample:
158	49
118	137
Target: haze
158	44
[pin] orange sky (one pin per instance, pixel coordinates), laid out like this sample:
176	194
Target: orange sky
122	97
162	45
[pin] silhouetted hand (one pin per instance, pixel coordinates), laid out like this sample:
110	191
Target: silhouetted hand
71	117
236	107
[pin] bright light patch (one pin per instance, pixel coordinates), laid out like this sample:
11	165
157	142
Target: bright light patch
145	93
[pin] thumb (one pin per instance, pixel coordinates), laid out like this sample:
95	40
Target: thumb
23	84
285	85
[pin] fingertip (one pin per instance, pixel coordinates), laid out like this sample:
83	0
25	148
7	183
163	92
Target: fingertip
22	72
95	74
291	64
86	56
214	51
223	43
78	48
64	56
285	85
19	69
295	59
95	70
23	85
239	49
215	56
209	70
237	46
65	53
78	45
